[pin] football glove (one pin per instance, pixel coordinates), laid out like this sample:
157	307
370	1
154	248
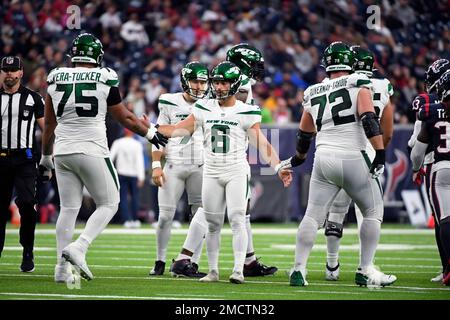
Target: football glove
45	168
418	176
291	162
377	167
155	137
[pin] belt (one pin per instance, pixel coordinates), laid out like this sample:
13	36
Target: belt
11	152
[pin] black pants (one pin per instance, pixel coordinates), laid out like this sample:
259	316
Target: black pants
19	172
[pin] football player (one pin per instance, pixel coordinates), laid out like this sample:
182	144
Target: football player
251	63
426	105
435	132
341	113
183	170
76	104
228	124
382	90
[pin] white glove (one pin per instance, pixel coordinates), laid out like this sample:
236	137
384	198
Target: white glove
45	168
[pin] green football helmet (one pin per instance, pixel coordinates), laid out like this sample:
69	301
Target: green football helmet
226	71
248	59
86	48
338	57
364	61
194	71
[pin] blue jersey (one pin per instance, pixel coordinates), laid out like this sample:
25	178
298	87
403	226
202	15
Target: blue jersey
438	131
425	106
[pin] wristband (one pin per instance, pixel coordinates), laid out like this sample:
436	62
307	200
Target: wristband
156	164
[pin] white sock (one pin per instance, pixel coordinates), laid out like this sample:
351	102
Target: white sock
182	256
212	249
333	251
250	249
196	234
83	243
240	238
163	231
97	222
65	226
369	236
306	236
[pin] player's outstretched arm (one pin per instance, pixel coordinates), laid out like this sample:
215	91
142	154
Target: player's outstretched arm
268	153
181	129
129	120
372	130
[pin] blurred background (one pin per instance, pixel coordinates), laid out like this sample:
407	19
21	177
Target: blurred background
148	42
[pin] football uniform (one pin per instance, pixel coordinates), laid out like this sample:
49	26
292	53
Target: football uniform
226	170
439	132
340	160
184	155
382	91
80	98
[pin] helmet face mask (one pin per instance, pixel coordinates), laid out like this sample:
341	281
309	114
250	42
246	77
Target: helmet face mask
249	59
86	48
225	72
338	57
434	72
443	86
192	76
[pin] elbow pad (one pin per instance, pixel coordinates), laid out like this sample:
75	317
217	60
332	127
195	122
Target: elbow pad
371	124
303	141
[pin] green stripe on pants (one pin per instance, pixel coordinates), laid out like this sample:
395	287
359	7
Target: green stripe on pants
369	163
110	167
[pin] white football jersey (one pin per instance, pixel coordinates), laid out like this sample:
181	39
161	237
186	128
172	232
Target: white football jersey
79	96
225	135
246	86
173	108
382	91
333	106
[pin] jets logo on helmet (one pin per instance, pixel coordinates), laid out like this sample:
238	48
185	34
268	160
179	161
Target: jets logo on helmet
194	71
249	60
364	61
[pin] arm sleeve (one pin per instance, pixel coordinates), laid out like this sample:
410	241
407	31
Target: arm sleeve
418	154
413	139
113	97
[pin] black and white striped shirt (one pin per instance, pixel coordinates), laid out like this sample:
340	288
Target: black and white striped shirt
18	114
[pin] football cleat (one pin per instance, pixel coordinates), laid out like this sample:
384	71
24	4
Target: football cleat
184	268
373	277
158	269
212	276
73	254
63	273
237	277
332	274
257	269
438	278
297	278
27	264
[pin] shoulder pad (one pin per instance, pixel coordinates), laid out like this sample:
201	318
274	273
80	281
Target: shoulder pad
51	75
109	77
420	100
166	99
358	80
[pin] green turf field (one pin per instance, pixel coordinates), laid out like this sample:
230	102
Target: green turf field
120	260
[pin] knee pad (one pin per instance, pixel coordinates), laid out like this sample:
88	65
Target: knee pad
166	215
237	218
215	221
333	229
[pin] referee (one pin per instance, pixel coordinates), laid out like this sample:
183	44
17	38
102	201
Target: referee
20	109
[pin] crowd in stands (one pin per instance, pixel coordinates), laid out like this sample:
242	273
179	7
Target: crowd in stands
148	42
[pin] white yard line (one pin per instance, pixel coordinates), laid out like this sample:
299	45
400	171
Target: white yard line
227	231
71	296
